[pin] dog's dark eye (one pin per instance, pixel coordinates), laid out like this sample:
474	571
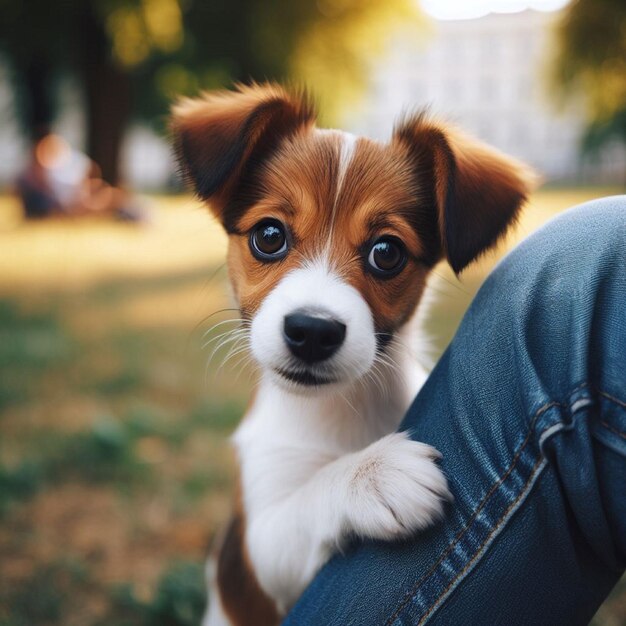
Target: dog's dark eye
387	257
268	241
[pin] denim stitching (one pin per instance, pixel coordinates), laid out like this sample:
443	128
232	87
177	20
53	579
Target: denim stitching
484	543
498	524
578	388
604	423
608	426
411	593
612	398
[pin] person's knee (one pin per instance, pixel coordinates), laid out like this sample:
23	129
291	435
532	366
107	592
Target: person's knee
571	255
575	244
543	313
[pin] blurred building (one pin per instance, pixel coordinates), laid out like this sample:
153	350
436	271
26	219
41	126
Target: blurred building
488	75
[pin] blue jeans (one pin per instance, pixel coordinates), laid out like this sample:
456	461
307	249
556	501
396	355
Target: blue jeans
528	407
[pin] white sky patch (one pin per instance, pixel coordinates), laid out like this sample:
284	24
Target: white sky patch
467	9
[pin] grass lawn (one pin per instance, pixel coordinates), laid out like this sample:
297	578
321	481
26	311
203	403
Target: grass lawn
114	468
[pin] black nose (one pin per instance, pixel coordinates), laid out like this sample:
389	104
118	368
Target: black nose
313	338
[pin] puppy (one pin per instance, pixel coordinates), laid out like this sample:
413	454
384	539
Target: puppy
331	240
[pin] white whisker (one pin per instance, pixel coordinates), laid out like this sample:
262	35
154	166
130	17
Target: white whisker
232	320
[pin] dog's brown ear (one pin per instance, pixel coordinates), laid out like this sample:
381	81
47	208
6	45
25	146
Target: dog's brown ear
220	136
476	191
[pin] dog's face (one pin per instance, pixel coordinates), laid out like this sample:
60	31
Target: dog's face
331	237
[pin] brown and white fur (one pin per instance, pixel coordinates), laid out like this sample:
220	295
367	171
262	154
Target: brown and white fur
320	460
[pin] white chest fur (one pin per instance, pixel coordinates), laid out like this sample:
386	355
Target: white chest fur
296	454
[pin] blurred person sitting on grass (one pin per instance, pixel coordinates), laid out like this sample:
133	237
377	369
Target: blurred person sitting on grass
59	181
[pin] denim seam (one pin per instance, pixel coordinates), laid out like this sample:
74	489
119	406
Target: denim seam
612	398
620	403
534	475
614	430
411	593
578	399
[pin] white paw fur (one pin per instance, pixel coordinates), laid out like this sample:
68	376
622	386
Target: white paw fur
395	489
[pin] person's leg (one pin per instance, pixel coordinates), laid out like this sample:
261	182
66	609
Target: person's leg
528	407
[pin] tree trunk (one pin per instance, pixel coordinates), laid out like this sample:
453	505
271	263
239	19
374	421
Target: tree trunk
39	99
108	97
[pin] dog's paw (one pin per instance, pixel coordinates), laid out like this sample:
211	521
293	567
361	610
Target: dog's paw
395	488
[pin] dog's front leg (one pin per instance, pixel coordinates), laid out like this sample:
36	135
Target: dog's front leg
388	490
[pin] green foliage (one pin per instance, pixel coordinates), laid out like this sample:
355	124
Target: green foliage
180	596
123	381
601	132
19	483
41	597
31	340
590	62
104	453
326	45
334	54
218	416
178	47
107	453
30	343
179	600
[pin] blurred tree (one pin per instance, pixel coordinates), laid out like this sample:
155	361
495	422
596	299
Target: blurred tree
131	57
591	61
